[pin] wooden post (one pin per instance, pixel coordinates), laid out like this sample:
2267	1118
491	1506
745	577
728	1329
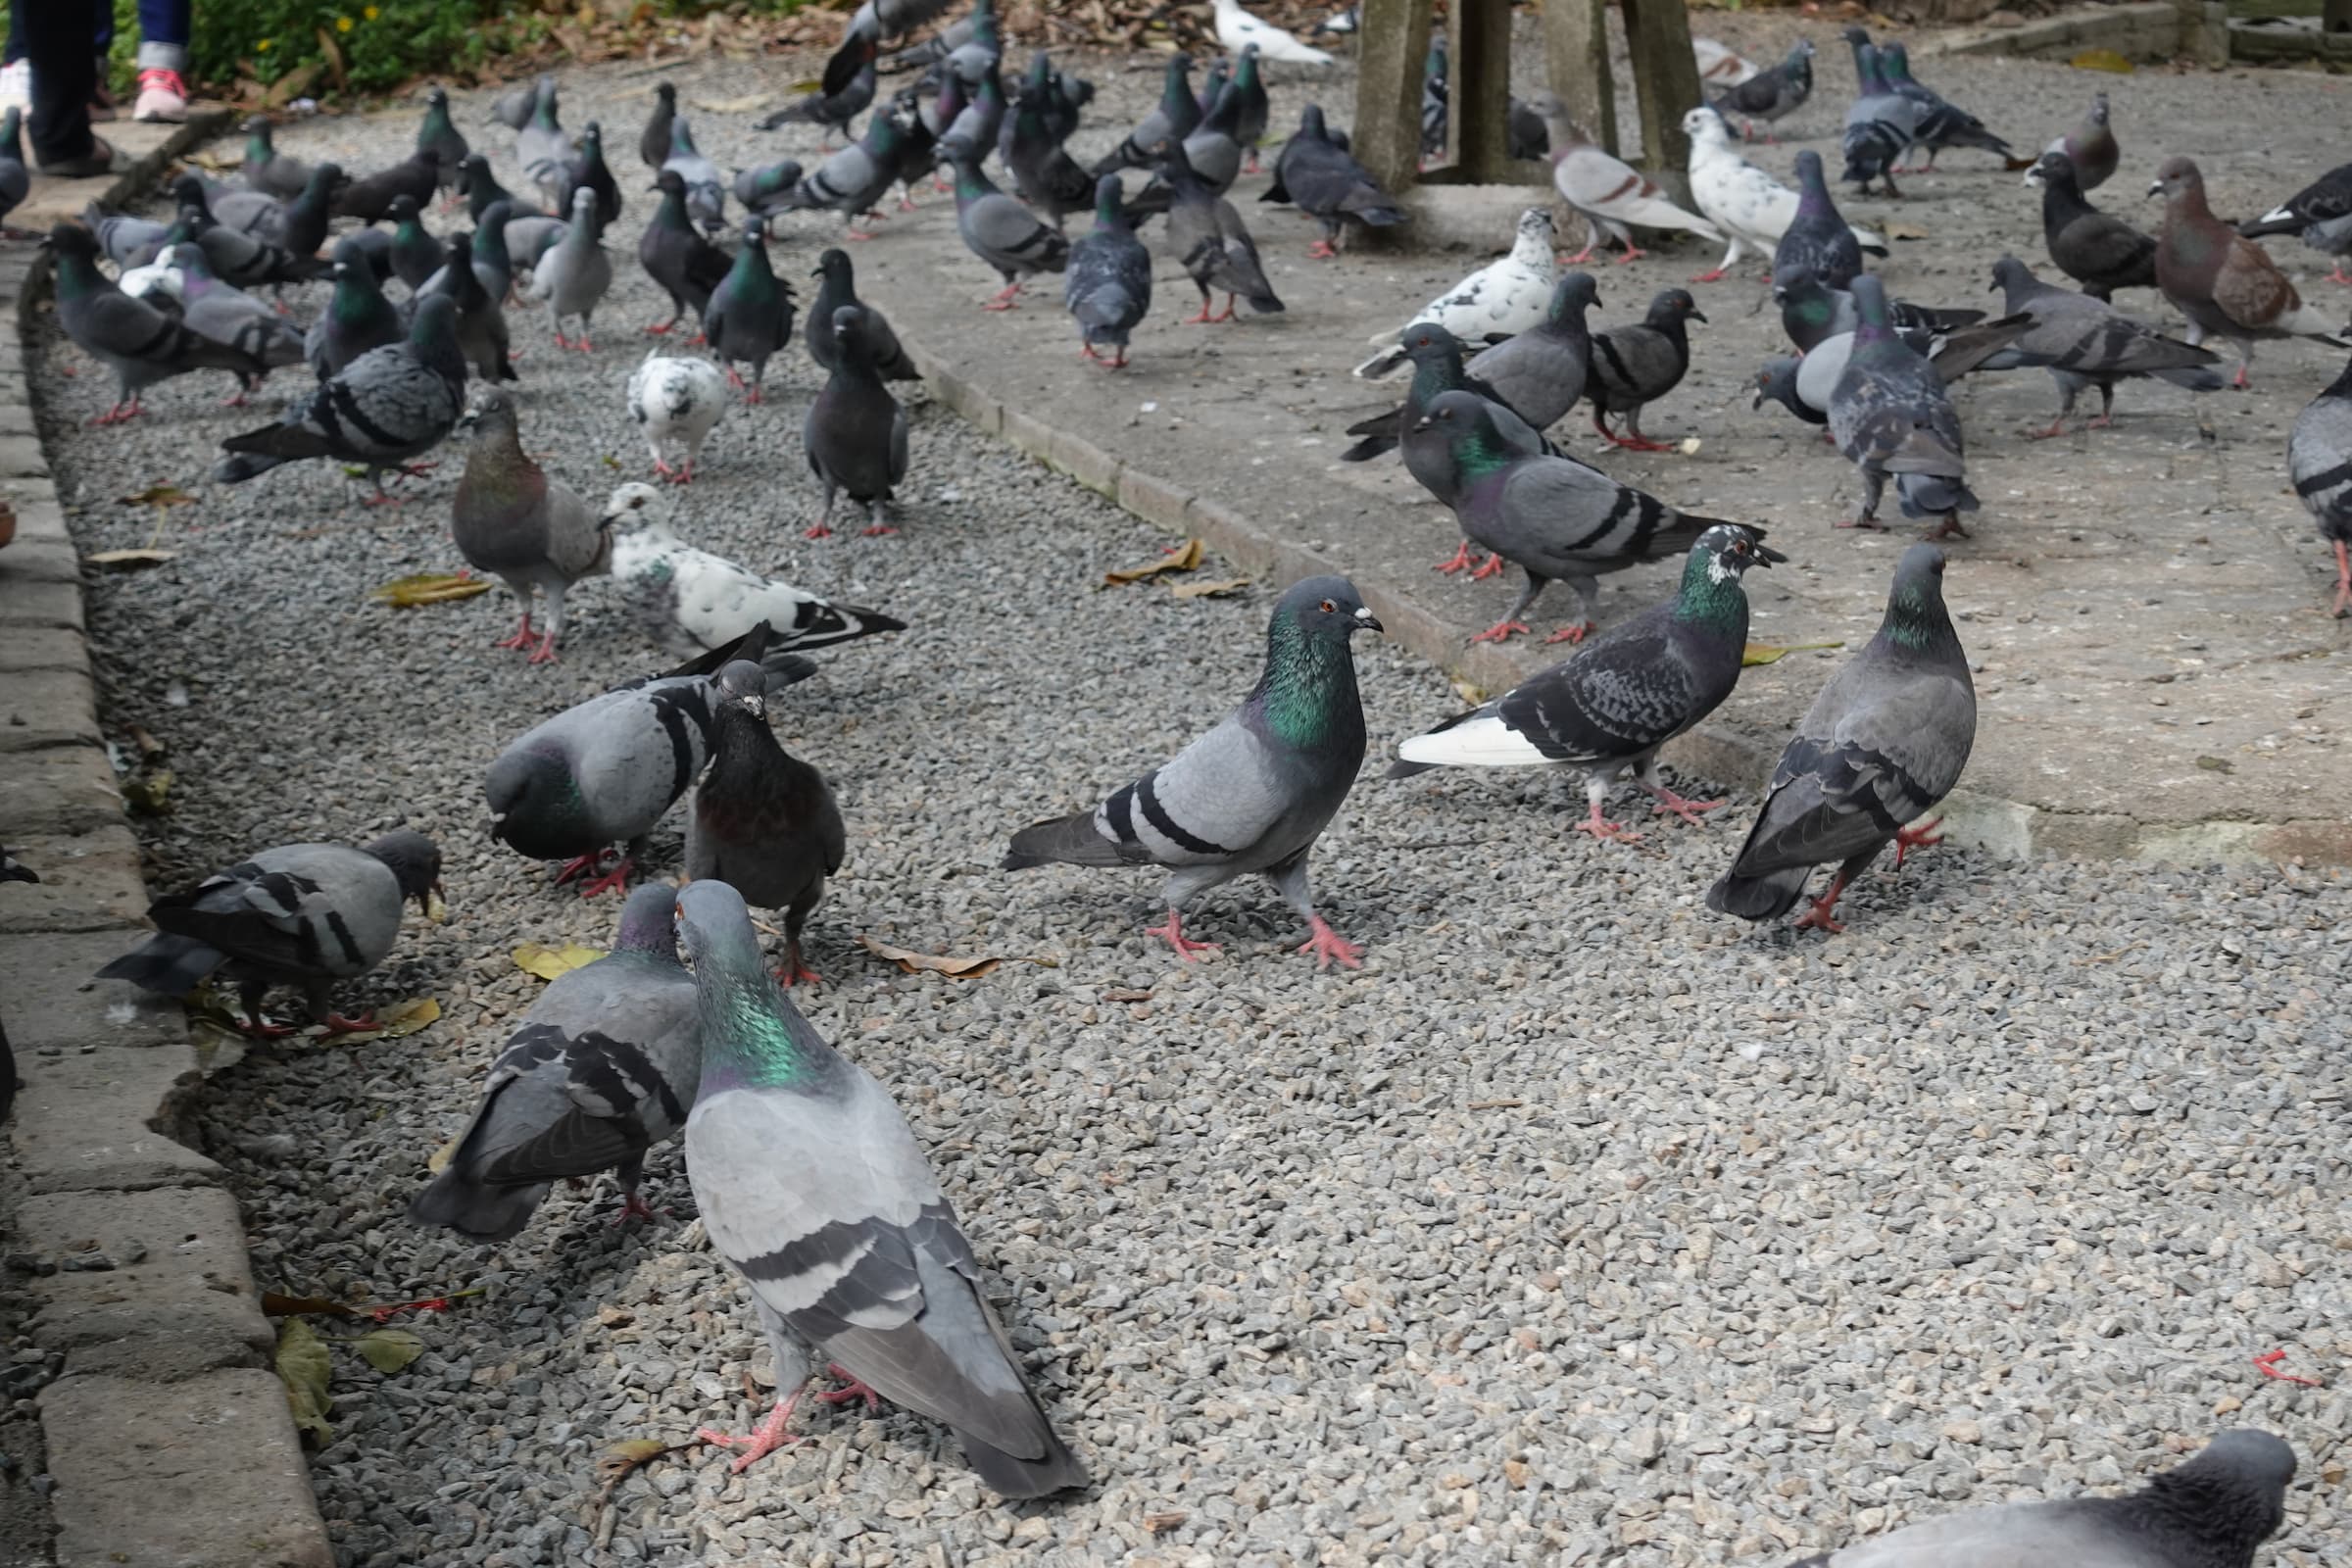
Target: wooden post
1667	75
1478	107
1575	57
1386	134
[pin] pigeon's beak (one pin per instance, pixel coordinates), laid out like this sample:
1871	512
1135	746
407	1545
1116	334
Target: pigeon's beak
1697	314
430	896
1365	620
498	827
1766	556
753	705
1757	401
2157	188
1423	422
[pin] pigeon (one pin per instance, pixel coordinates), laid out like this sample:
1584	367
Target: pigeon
1945	124
370	198
1880	123
762	820
385	408
1818	237
687	265
125	240
706	191
810	1183
1540	373
1633	367
1237	30
160	279
1777	380
416	254
266	168
493	264
830	112
1108	283
2210	1512
14	871
589	171
1436	99
527	232
1212	87
854	179
542	147
1042	172
301	225
766	191
1252	794
219	313
1754	209
1720	65
139	342
1319	177
1889	415
1250	106
248	211
2319	462
2224	284
439	139
1501	298
606	770
1213	151
982	46
1952	354
854	434
977	126
2090	146
652	142
513	107
1175	118
602	1066
1613	705
573	279
690	598
357	318
912	155
1883	743
481	325
240	259
2099	250
839	287
1524	136
676	403
2321	212
750	315
1771	94
1812	312
1004	234
300	914
1551	515
873	22
1210	239
1546	364
513	522
2085	342
1612	197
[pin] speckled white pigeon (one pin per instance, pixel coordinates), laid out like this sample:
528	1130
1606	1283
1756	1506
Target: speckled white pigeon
1504	298
676	403
1752	208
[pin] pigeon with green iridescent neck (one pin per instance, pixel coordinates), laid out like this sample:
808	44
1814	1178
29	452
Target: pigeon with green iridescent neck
810	1183
439	139
837	290
301	225
1635	687
976	129
1255	793
1818	237
1004	234
852	179
1889	415
766	191
588	172
139	343
1042	171
481	324
416	254
358	317
687	265
602	1067
1882	746
1175	118
512	522
1107	284
241	259
750	316
264	168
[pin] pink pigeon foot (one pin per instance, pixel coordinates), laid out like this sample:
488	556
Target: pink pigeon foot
1459	561
1716	276
544	653
632	1207
1920	837
764	1439
1492	566
853	1387
1818	918
523	638
612	881
1174	932
1321	251
1688	810
1501	632
1578	258
337	1024
1600	827
1328	947
1631	253
1574	633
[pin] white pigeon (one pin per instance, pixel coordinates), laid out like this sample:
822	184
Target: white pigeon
1718	66
157	277
1752	208
1236	29
1504	297
1613	196
677	402
689	595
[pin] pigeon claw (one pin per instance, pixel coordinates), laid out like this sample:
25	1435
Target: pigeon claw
1203	319
1459	561
1321	250
763	1439
1631	253
523	638
633	1206
1716	276
612	881
1818	917
1916	838
1328	947
1866	521
1501	632
1173	931
1948	527
337	1024
853	1387
544	653
1574	633
1688	810
1492	566
1601	828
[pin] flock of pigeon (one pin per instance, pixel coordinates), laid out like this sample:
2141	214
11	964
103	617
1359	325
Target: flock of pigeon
858	1265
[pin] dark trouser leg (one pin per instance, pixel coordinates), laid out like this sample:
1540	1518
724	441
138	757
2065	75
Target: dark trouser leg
57	40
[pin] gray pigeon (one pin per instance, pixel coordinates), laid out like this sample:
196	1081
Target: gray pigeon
1633	367
588	172
652	142
1174	118
247	210
1540	373
838	288
370	198
238	257
481	330
264	168
606	770
1107	284
706	190
812	1184
2210	1512
2318	462
358	317
1048	178
513	107
416	254
1328	185
1612	706
1889	415
766	191
573	279
2095	249
214	311
1004	234
852	179
1818	238
387	406
541	146
303	914
1551	515
1812	312
762	820
687	265
975	129
439	139
831	112
750	315
493	264
2321	213
1209	240
603	1066
2086	342
125	240
1552	376
1772	93
510	519
139	343
1943	124
1255	793
855	432
1881	745
1881	123
2090	145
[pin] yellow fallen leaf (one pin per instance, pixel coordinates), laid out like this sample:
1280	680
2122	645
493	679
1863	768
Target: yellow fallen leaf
440	1159
150	794
1208	590
436	910
2102	60
1898	229
1183	558
429	588
617	1462
410	1016
954	968
547	962
1473	695
160	495
389	1350
1771	653
303	1367
732	105
130	560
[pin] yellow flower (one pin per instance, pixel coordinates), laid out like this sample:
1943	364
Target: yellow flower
262	47
342	24
369	11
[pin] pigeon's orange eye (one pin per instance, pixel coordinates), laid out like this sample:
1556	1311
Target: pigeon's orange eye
1330	608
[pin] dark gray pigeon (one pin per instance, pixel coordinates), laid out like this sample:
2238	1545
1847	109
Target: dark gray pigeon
761	819
1209	240
2321	213
439	139
1247	88
2085	342
358	317
125	240
481	324
1551	515
854	179
240	258
370	198
1812	312
1883	743
604	771
2318	462
1818	238
1108	283
1612	706
975	131
2211	1512
1775	379
1880	125
687	265
829	111
1328	184
1889	415
810	1183
226	316
139	343
302	914
492	262
1633	367
511	521
854	434
1255	793
239	207
1004	234
1173	120
416	254
836	289
387	406
602	1067
652	142
1771	94
1046	174
1945	123
589	173
2095	249
749	320
1436	355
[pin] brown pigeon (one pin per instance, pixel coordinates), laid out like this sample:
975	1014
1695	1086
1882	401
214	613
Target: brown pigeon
2224	284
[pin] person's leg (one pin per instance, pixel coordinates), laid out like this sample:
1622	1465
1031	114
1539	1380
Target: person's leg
57	40
16	35
163	60
102	44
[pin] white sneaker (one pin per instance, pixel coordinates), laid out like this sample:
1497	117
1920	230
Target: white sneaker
162	96
16	88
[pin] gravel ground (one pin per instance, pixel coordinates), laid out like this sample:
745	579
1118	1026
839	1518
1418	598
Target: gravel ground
1580	1226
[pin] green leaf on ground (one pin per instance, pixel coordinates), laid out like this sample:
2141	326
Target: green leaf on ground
303	1367
389	1350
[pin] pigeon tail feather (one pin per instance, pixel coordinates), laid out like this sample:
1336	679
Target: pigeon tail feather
1071	840
483	1214
168	965
1759	897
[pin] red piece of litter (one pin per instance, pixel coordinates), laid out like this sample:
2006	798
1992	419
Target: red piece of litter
440	1303
2267	1364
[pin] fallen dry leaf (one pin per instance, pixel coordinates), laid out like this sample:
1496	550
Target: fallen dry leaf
436	909
144	739
388	1349
954	968
1208	590
2102	60
397	1022
1159	1524
129	560
623	1459
303	1367
1898	229
547	962
160	494
733	105
429	588
150	794
1771	653
1473	695
438	1160
1183	558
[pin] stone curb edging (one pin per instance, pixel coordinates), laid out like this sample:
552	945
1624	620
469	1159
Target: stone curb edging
167	1429
2156	29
